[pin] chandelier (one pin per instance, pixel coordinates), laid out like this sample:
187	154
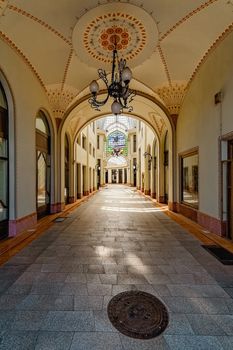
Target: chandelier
118	88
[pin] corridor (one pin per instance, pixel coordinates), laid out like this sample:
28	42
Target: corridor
54	293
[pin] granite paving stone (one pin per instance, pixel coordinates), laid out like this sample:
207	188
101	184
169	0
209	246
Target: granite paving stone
16	340
54	340
70	321
55	292
205	325
193	342
158	343
28	320
85	302
96	341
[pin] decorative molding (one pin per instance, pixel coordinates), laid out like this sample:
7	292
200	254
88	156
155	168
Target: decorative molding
187	17
214	45
159	122
7	40
66	69
60	98
172	96
164	64
3	6
37	20
134	30
122	27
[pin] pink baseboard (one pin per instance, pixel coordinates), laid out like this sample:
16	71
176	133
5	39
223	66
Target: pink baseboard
85	193
18	225
187	211
211	223
172	206
161	199
147	192
71	199
56	207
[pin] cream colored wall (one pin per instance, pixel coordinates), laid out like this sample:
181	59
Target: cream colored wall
29	97
199	120
85	158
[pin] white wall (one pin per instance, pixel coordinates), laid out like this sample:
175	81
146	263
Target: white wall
199	120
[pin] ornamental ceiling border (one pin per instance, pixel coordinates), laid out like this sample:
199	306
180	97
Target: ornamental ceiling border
187	17
10	42
172	96
214	45
39	21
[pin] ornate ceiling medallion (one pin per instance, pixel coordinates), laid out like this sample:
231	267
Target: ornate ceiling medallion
131	28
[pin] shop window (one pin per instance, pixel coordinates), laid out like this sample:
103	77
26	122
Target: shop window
189	179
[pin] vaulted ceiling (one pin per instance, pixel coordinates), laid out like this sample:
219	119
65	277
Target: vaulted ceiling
65	41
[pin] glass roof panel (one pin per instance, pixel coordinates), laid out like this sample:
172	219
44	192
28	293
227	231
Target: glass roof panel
112	122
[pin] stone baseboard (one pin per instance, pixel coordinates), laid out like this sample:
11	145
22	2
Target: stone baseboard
211	223
18	225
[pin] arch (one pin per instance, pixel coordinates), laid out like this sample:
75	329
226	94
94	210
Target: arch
67	169
148	108
10	192
166	166
43	164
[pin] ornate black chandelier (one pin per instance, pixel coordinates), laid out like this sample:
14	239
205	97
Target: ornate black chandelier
118	88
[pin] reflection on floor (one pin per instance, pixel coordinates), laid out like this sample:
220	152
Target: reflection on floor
54	293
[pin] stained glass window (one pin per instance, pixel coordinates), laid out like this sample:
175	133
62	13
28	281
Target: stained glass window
116	144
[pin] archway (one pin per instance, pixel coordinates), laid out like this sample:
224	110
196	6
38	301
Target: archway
43	165
4	165
149	109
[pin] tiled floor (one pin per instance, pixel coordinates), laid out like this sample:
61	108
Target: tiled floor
54	293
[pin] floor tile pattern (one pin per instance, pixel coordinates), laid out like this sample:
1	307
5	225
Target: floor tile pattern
54	293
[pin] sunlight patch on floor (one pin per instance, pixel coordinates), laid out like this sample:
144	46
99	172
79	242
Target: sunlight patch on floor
132	210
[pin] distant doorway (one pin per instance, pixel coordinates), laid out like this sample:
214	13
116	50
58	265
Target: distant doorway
120	176
114	176
230	190
106	177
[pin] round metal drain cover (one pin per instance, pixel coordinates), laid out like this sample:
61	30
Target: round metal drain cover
138	314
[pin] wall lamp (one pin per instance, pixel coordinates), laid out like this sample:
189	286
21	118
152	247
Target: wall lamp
97	167
147	154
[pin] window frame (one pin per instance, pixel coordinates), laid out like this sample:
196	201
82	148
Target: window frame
189	153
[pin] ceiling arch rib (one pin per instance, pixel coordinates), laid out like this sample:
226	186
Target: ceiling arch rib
176	57
40	21
9	42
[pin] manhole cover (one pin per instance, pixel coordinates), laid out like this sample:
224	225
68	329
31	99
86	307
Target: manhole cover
138	314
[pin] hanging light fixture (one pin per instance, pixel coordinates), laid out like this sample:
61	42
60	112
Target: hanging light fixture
118	89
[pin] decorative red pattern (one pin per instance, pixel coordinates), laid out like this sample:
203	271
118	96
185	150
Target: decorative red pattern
113	35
